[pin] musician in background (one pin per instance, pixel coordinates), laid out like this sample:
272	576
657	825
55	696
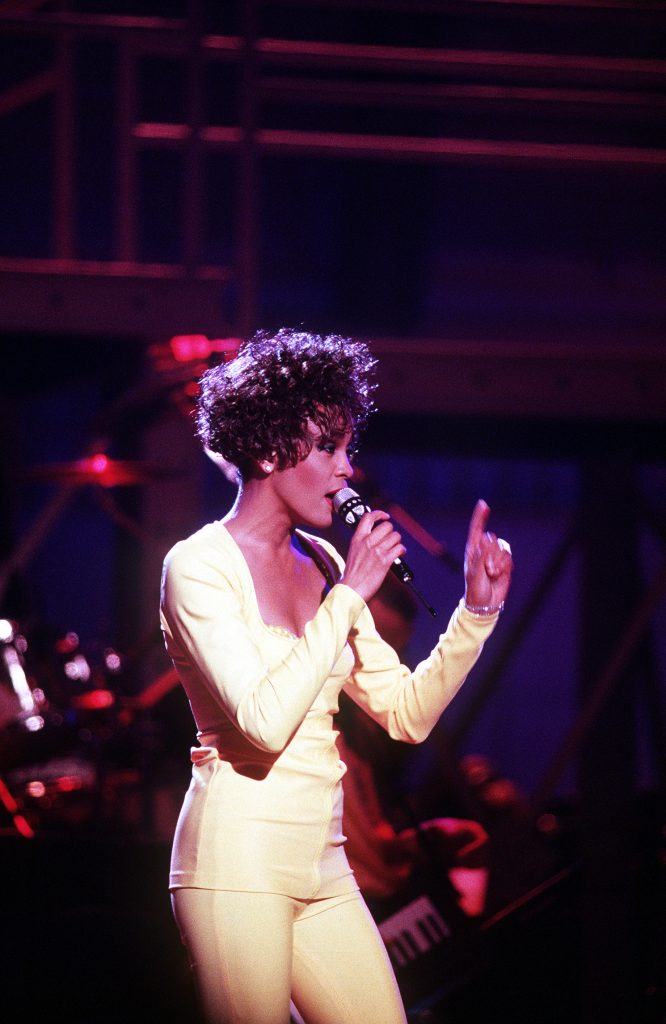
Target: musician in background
386	859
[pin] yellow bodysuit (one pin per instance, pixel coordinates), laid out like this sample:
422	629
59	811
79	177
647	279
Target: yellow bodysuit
263	812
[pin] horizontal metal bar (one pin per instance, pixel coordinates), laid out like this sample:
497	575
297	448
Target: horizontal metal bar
481	62
156	132
342	145
46	22
110	268
482	6
151	133
529	378
145	301
371	57
547	352
523	379
345	145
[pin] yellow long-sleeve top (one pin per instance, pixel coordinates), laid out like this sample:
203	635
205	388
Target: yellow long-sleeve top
263	812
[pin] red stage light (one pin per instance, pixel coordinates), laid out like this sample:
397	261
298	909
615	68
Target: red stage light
98	463
186	348
94	700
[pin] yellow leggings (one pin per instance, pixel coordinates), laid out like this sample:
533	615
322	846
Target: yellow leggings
251	952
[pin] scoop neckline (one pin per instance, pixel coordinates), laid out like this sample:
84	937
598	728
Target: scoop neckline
274	630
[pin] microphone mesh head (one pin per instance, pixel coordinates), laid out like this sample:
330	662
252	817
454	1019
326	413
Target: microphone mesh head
343	495
349	506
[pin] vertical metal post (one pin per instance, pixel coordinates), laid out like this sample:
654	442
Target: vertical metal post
64	149
247	228
126	217
193	185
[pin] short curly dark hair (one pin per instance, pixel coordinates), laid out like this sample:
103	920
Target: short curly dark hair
258	405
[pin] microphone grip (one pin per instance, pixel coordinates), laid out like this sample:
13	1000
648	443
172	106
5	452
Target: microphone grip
351	509
400	569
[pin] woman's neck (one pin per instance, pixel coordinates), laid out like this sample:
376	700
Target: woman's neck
258	520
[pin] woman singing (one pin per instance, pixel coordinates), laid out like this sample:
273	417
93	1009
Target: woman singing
266	625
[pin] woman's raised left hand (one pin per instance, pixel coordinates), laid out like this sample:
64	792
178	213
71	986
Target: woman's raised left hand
488	563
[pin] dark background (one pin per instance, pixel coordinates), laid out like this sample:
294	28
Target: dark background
477	189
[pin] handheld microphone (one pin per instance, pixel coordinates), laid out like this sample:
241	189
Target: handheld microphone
351	508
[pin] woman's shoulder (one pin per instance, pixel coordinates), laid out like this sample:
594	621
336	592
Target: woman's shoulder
210	544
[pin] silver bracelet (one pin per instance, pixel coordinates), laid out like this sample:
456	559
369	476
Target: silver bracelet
484	609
